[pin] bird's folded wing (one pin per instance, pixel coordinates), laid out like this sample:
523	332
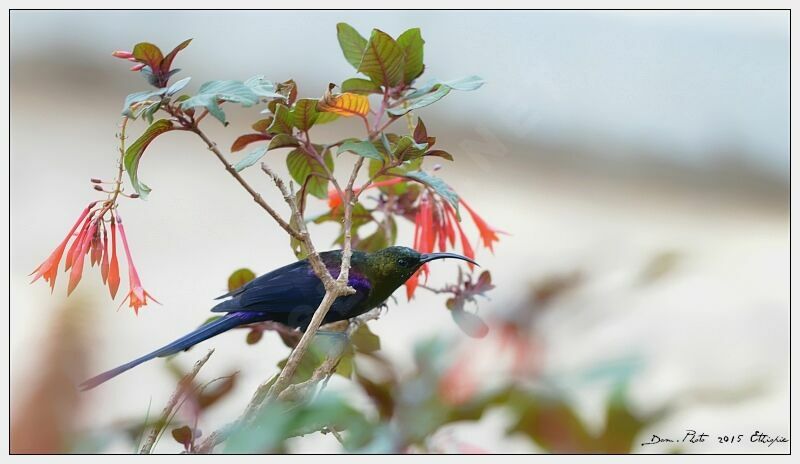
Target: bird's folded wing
283	290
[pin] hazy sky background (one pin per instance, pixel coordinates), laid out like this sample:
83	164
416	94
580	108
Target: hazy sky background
683	85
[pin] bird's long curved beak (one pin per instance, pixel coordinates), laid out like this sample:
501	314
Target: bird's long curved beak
428	257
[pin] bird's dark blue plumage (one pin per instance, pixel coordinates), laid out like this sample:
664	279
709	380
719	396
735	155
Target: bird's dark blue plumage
291	294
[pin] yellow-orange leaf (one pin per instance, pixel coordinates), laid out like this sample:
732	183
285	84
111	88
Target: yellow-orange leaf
345	104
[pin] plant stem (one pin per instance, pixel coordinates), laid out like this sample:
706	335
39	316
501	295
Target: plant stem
183	385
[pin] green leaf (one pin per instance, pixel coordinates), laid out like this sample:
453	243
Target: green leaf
301	166
212	91
304	114
383	59
177	86
360	86
361	148
407	149
281	122
210	320
281	141
139	97
149	111
345	366
250	159
134	153
411	42
260	86
437	185
421	102
240	277
148	54
365	340
262	125
254	336
352	43
324	117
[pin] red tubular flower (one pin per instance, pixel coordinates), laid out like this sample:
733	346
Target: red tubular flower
104	262
49	268
334	199
465	245
76	244
84	243
488	234
137	294
122	54
113	270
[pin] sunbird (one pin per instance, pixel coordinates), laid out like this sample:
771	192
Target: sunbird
291	294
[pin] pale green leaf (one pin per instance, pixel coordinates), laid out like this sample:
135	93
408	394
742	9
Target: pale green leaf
361	148
260	86
213	91
250	159
437	185
178	86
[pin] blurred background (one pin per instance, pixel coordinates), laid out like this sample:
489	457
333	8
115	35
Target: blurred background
638	160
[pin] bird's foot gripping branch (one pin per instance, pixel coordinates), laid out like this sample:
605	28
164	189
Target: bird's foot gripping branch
389	182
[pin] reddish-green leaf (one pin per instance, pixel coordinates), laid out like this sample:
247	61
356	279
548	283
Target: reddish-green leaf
440	154
166	63
262	125
183	435
148	54
304	114
244	140
420	132
303	167
383	59
281	141
360	86
281	122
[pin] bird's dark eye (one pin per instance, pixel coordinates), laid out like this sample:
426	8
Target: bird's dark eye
402	262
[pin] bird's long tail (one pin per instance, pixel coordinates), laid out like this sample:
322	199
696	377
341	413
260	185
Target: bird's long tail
204	332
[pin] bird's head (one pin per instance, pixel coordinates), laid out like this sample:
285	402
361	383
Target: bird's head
396	264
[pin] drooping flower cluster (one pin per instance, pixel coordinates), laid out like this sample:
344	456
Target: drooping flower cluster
435	225
90	237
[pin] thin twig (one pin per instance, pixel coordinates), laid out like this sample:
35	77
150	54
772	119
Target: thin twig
325	370
183	384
